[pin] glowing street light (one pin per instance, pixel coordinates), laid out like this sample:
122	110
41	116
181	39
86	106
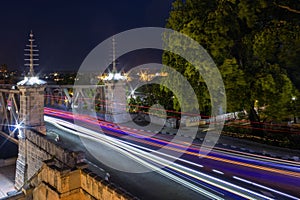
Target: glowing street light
294	108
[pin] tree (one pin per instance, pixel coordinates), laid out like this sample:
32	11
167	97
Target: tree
255	44
234	80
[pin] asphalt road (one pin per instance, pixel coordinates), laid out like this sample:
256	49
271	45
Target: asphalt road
253	173
146	186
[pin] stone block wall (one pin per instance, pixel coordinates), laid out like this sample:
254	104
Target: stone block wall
63	176
39	148
56	183
34	150
21	165
32	107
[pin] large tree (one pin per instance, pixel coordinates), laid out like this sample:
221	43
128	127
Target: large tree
255	44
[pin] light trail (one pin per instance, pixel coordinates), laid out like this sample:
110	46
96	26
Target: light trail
132	135
271	126
181	147
176	167
266	188
219	172
259	157
108	141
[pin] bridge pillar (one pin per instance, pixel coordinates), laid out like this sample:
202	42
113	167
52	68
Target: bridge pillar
21	165
31	118
116	102
32	107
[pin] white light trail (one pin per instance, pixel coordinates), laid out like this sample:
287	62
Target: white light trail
135	152
234	189
217	171
266	188
108	141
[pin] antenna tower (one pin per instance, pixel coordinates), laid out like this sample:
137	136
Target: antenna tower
31	55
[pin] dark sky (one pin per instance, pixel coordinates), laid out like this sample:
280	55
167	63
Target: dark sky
66	30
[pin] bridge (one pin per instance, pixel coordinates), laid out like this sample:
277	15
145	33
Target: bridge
22	116
75	142
41	156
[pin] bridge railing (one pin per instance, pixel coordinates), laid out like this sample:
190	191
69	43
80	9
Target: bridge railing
70	96
9	109
58	96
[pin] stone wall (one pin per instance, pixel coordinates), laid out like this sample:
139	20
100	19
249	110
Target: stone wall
32	107
34	150
39	148
21	165
60	183
63	176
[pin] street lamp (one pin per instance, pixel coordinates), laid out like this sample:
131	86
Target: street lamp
294	108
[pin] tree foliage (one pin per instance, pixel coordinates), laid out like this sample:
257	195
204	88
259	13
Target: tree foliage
255	44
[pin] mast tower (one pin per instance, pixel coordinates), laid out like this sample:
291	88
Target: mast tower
31	54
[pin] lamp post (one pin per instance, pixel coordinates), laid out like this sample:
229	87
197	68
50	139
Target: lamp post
294	108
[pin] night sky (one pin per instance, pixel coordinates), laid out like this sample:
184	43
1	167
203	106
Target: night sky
66	31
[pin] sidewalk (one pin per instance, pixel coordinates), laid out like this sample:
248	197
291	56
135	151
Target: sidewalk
7	179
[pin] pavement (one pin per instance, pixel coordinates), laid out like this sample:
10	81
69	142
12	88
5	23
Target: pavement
7	179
